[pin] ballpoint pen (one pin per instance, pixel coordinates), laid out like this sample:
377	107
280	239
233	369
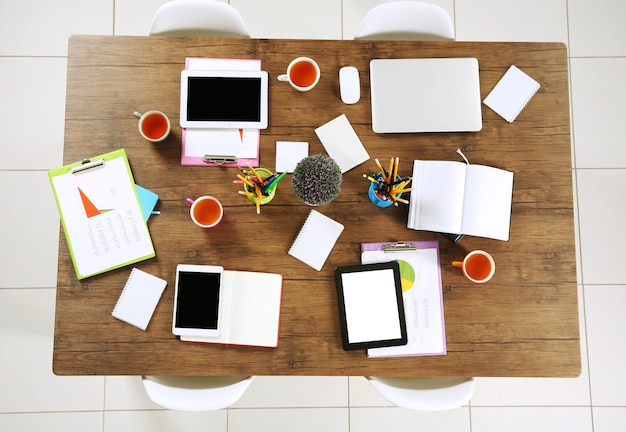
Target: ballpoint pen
269	187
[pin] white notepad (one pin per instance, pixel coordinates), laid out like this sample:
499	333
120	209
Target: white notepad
289	153
512	93
316	239
342	143
139	298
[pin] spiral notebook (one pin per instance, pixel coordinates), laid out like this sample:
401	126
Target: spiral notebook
512	93
139	298
316	239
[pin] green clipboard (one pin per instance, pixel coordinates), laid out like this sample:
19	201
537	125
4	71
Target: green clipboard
101	214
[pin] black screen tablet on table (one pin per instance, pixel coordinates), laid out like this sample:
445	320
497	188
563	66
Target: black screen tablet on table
224	99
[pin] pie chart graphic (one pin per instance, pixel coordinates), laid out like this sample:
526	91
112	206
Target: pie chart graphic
407	275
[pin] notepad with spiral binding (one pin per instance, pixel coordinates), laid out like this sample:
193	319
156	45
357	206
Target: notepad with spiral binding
316	239
512	93
139	298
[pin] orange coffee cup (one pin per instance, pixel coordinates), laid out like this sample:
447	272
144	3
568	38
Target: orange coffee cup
478	266
153	125
206	211
303	74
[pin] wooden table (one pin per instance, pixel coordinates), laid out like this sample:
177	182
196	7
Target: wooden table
522	323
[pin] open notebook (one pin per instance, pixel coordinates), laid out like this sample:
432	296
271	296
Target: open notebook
251	310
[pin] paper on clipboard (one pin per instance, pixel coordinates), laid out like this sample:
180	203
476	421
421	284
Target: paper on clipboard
241	143
420	271
101	214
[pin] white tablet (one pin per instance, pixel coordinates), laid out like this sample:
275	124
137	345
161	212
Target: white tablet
223	99
197	300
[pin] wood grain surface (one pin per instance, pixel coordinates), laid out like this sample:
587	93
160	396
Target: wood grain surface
524	322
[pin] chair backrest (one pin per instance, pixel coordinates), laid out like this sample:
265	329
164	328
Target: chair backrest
195	393
205	18
425	394
406	20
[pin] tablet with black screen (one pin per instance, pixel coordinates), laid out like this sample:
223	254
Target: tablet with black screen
197	300
223	99
371	309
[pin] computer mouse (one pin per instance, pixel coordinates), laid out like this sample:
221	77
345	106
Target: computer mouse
349	84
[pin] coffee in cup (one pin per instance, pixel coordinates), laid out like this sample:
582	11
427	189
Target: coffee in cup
154	126
206	211
478	266
303	74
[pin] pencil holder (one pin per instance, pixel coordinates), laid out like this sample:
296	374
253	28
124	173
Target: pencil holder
263	173
379	199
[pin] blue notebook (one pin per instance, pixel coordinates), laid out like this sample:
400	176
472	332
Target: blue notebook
148	201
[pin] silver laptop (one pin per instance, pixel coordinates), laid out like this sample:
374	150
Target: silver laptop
425	95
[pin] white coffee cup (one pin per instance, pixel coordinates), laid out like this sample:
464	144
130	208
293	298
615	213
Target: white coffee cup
154	125
303	74
206	211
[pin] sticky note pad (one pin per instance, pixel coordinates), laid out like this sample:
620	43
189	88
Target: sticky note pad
342	143
289	153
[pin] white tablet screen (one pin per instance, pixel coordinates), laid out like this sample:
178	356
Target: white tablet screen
371	306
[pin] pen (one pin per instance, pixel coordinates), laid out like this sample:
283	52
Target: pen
267	182
272	185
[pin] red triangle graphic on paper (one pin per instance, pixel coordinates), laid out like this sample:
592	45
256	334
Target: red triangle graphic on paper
241	134
90	209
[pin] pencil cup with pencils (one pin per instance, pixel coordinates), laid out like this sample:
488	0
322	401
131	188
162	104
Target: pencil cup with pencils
387	186
378	193
259	185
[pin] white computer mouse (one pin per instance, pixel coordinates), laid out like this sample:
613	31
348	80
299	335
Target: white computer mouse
349	84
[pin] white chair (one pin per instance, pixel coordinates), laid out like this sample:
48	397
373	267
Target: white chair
425	394
195	393
204	18
406	20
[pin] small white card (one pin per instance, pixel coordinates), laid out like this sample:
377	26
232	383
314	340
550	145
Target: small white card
342	143
289	153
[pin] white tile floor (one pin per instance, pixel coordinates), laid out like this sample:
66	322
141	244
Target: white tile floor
33	46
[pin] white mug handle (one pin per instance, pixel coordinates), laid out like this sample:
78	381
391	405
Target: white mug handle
283	77
137	114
